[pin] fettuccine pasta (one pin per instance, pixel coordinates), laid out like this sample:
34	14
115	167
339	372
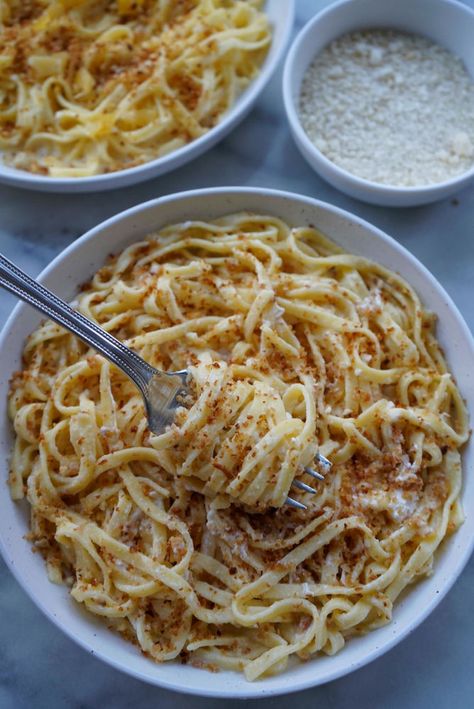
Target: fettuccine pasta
182	541
94	86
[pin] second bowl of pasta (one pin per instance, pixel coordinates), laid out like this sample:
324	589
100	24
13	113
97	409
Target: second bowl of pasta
104	95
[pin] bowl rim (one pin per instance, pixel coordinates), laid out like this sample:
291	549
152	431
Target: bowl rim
250	690
176	158
340	173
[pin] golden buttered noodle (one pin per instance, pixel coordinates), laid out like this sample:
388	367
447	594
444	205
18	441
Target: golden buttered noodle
182	541
92	86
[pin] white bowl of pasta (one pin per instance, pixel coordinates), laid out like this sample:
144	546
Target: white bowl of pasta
114	95
196	564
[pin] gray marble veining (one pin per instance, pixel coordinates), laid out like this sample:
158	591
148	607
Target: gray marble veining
39	667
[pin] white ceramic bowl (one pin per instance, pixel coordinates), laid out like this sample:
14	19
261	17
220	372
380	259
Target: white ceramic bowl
281	16
77	264
448	23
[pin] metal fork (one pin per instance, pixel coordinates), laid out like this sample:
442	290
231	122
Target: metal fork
161	391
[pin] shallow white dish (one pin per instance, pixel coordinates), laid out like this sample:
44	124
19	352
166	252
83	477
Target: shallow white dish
281	16
447	22
77	264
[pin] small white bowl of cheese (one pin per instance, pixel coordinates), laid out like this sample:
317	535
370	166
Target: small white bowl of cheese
380	97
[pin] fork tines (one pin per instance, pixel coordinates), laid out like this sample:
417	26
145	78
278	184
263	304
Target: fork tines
314	473
294	503
303	486
325	464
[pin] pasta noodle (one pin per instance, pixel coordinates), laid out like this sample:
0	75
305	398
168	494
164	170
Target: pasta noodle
93	86
182	541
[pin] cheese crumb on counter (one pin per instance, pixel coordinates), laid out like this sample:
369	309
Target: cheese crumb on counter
390	107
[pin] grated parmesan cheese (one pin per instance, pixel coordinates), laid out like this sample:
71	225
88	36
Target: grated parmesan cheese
390	107
372	303
399	504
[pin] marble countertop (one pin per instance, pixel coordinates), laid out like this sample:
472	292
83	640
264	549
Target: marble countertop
39	666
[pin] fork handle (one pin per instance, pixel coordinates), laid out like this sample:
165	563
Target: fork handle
20	284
